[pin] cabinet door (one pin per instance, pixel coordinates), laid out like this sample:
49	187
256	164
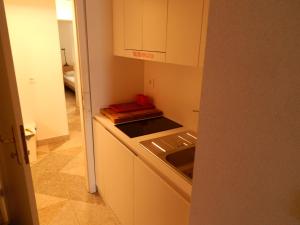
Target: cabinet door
133	22
115	175
118	27
184	31
155	25
156	203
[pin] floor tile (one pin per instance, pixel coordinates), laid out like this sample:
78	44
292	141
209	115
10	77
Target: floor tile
93	214
65	216
43	148
77	166
46	215
74	140
69	151
44	201
60	181
52	163
51	183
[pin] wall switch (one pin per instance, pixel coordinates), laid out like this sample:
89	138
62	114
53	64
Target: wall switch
31	80
151	83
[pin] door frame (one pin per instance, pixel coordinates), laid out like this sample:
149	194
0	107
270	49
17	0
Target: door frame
81	42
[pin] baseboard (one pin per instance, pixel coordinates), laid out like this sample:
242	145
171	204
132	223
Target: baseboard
53	140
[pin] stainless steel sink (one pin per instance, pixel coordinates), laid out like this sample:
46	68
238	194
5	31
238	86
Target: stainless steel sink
183	160
177	150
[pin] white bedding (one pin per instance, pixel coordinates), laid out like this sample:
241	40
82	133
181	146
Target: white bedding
69	80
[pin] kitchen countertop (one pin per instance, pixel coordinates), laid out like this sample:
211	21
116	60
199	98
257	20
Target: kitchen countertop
165	171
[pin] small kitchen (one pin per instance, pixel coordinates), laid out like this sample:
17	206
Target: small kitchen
189	111
146	114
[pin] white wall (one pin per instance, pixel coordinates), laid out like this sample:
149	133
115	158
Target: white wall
66	39
248	159
176	91
112	79
34	38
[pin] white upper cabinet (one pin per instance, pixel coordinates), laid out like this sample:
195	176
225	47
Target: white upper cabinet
184	31
145	24
155	25
159	30
118	27
133	24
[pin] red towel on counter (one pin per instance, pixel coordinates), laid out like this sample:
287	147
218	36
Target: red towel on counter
142	102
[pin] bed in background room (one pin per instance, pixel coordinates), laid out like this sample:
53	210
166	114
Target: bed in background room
69	77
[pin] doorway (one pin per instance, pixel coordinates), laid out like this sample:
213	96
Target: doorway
52	111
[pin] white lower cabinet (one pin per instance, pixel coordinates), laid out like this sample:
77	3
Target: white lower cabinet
114	173
155	202
136	194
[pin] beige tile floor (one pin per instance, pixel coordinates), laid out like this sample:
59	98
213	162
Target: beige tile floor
60	182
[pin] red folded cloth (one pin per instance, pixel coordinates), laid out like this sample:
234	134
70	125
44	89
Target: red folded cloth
129	107
142	102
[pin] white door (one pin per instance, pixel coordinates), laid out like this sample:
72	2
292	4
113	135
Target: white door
14	164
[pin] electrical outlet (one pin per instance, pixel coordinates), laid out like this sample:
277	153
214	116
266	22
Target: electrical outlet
151	83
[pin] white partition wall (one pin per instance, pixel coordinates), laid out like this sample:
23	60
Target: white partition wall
248	158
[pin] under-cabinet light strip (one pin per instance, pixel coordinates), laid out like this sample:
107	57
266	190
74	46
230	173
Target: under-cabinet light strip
184	139
191	136
158	146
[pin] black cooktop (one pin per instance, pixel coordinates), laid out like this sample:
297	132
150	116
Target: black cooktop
147	126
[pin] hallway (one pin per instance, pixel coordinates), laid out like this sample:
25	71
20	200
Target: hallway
60	181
